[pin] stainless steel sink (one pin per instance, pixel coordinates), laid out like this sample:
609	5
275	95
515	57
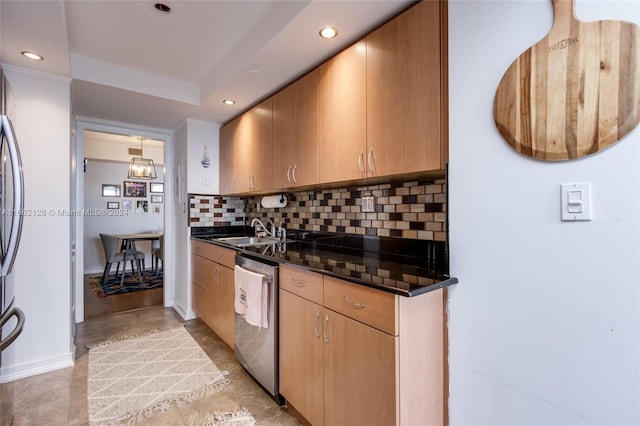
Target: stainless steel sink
250	241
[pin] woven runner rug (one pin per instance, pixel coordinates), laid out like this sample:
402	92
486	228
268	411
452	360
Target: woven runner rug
112	285
135	377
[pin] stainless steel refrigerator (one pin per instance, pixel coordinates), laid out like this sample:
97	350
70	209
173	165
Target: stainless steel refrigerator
11	216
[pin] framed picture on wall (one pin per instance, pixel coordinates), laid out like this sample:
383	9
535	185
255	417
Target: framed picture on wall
135	189
156	198
156	187
113	205
142	206
110	190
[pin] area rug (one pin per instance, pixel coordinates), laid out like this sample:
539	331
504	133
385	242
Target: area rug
112	285
135	377
238	418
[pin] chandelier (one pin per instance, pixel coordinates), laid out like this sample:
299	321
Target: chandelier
142	168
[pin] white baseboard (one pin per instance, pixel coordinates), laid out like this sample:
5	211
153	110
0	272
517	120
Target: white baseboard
31	369
184	313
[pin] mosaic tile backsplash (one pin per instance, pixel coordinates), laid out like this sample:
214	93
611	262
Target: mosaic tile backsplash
414	209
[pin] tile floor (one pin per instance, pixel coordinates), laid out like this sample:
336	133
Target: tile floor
60	398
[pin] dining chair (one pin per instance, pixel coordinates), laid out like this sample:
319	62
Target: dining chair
158	254
114	254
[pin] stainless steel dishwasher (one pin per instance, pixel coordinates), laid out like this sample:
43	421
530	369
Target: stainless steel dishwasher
256	348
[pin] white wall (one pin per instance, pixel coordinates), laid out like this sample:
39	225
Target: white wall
202	180
42	268
545	322
115	221
182	302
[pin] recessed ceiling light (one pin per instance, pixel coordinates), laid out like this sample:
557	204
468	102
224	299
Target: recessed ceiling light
162	7
228	102
328	32
31	55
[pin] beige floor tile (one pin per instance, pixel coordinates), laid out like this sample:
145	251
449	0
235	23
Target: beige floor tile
60	397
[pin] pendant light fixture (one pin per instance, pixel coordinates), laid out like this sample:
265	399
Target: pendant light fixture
142	168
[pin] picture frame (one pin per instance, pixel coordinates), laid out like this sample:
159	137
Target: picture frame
142	206
113	205
156	198
135	189
110	190
156	187
126	204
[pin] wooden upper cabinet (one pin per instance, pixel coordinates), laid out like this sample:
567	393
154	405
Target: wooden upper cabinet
261	145
227	157
245	151
342	101
376	109
403	93
282	137
305	130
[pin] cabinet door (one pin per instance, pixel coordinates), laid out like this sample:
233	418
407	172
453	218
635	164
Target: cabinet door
242	158
305	130
227	165
261	148
359	373
225	309
301	353
342	101
283	138
403	93
202	275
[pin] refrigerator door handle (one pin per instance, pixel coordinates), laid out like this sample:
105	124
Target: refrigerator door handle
18	199
10	312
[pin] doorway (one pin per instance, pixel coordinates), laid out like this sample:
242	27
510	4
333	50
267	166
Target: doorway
110	206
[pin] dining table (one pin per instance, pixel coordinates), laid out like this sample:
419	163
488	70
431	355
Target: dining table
128	243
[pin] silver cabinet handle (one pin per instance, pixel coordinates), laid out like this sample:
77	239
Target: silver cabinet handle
249	182
360	162
233	183
295	166
289	173
315	325
298	283
370	160
216	275
324	329
354	304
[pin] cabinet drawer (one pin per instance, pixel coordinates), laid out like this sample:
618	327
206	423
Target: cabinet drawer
304	283
370	306
201	271
198	296
223	256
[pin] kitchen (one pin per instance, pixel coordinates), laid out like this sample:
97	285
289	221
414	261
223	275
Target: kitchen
533	336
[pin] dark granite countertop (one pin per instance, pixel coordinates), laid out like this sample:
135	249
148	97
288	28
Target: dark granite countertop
400	266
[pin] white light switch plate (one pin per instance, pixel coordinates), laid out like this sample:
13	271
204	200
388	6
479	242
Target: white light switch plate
576	201
368	204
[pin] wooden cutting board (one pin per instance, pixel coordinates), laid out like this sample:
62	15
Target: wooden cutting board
575	92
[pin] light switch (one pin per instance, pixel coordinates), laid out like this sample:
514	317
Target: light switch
576	201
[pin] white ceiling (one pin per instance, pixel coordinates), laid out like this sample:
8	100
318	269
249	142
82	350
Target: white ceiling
130	63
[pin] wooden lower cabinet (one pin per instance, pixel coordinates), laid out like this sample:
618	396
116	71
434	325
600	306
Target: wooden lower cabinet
359	373
213	289
336	369
301	355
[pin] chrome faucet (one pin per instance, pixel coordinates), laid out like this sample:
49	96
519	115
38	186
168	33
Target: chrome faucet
271	233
